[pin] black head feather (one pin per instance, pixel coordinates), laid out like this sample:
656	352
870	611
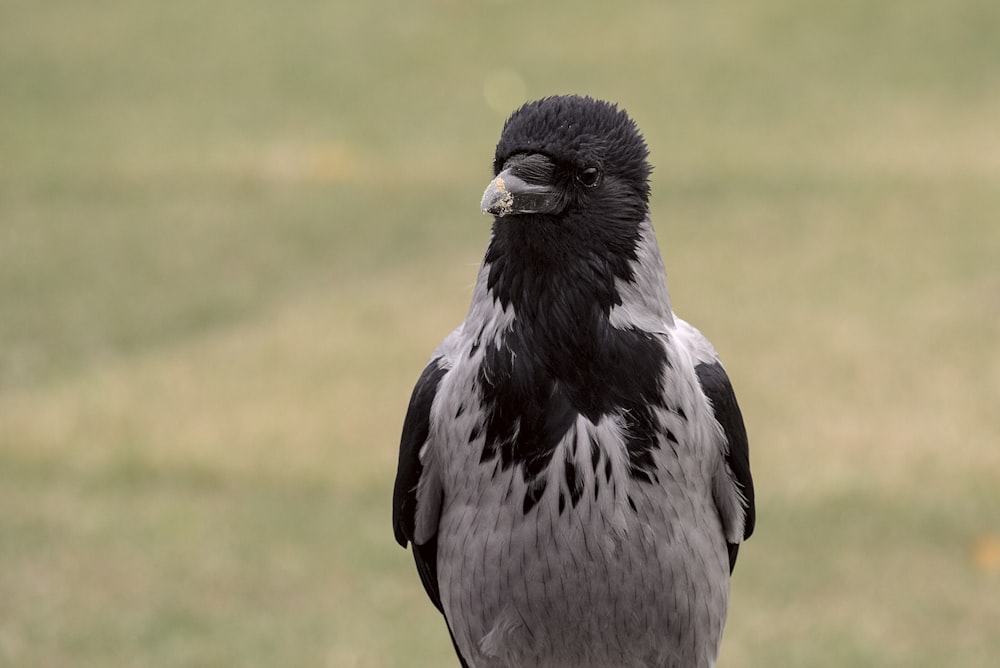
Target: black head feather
578	132
576	251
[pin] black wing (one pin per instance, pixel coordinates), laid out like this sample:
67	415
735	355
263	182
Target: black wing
416	427
716	386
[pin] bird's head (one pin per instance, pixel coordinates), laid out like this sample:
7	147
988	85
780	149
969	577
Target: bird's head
569	158
570	201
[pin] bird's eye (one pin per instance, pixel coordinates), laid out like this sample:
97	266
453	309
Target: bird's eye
589	176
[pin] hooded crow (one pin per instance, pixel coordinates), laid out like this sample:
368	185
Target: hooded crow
574	474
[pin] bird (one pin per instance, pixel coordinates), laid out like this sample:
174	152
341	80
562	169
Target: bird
574	475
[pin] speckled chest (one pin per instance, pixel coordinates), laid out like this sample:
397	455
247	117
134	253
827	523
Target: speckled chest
580	561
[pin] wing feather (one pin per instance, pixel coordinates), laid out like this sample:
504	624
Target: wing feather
409	473
717	387
410	470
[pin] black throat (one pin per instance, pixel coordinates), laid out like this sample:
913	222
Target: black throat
562	357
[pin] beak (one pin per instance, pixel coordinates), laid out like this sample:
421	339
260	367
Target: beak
510	194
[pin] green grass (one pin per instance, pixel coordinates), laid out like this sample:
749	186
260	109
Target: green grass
230	236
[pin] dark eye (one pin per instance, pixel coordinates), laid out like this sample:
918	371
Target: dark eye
589	176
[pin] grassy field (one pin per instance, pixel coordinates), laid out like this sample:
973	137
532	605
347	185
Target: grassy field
231	234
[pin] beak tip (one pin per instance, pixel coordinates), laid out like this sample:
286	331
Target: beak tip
497	200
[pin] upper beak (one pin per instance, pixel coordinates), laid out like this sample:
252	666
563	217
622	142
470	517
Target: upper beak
509	194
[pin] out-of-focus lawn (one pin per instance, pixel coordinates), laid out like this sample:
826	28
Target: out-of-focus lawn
231	233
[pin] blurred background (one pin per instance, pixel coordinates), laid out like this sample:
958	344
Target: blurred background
231	234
